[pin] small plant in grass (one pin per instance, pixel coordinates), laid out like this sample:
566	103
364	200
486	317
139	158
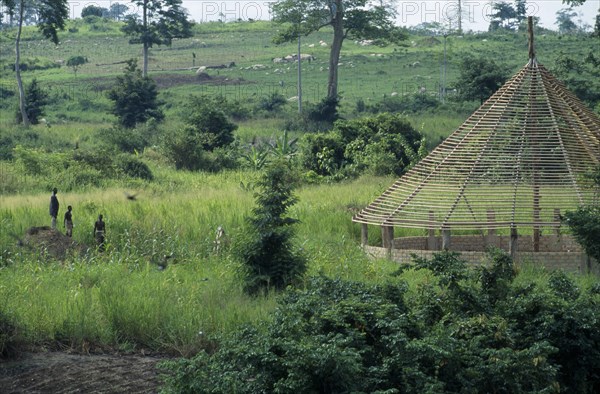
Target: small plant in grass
266	250
75	62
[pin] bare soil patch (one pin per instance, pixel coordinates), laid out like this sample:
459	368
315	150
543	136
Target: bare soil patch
58	372
47	240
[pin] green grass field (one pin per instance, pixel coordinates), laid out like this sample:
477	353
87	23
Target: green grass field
121	299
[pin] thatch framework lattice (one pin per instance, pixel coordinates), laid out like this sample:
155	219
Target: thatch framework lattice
517	161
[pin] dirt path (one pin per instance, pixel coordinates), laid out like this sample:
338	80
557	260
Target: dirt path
57	372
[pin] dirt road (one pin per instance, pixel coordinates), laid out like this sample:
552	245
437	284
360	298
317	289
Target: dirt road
57	372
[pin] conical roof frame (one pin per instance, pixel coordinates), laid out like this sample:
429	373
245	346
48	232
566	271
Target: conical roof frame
517	161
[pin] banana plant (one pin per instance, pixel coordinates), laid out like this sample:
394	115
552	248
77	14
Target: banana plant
256	158
284	147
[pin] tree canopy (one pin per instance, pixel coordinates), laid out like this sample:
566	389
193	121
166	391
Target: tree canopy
159	23
52	15
354	19
479	78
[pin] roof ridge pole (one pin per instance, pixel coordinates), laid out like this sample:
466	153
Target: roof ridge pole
532	59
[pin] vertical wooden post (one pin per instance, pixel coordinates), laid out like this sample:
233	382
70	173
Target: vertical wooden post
514	243
446	239
491	239
387	235
491	218
431	239
557	219
364	234
530	34
536	215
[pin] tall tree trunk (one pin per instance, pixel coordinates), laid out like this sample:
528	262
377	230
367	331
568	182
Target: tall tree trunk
145	39
336	48
145	69
22	103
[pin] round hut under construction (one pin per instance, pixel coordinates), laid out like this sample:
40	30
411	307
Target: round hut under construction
502	179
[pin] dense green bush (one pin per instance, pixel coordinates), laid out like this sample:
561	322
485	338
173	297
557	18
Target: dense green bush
322	153
208	124
130	140
234	109
382	144
325	110
206	129
133	167
271	103
480	77
184	149
460	330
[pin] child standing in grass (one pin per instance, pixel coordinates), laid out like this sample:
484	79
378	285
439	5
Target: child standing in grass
99	228
69	222
54	207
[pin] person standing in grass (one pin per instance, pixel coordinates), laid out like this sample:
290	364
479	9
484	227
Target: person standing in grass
69	222
99	230
54	207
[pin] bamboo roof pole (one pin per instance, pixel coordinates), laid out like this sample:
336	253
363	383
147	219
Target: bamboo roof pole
532	58
531	114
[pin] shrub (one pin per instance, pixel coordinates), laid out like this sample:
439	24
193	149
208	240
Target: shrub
100	160
133	167
208	124
135	98
129	140
266	250
184	149
272	102
383	144
75	62
458	330
35	101
324	111
93	10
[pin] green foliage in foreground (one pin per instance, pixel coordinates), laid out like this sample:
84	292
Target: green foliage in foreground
476	331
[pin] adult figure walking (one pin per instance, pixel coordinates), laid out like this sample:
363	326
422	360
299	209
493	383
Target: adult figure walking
69	222
54	207
99	230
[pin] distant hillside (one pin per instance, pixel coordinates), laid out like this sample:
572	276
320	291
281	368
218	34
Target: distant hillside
240	62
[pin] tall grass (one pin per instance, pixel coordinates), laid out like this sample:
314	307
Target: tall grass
130	296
